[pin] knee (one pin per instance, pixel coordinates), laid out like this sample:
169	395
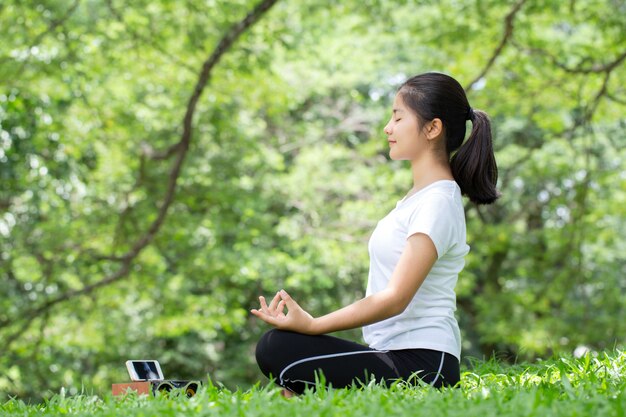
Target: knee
265	346
268	351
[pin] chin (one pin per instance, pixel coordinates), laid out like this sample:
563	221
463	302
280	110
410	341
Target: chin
396	157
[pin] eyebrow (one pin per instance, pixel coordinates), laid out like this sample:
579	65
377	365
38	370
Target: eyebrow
398	110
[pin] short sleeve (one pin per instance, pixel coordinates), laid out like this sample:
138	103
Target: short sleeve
436	217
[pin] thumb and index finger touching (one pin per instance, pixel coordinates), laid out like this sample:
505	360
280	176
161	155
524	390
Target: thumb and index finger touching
287	299
281	300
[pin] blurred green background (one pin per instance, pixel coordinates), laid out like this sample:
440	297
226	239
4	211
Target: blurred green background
285	174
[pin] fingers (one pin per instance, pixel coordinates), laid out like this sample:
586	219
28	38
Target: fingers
265	317
274	302
272	309
288	300
274	313
281	307
295	319
264	307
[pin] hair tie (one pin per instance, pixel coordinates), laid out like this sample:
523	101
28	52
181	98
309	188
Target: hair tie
470	114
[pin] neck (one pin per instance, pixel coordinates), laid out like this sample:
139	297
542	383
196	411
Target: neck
429	169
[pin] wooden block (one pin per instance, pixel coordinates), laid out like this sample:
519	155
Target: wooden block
152	387
142	387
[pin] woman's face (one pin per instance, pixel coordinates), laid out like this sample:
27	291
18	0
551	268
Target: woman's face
406	142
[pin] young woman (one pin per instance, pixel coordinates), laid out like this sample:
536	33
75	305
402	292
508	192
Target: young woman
416	253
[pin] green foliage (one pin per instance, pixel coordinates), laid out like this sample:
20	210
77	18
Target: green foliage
591	385
287	174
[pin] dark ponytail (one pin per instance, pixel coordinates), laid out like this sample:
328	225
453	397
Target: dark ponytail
474	164
434	95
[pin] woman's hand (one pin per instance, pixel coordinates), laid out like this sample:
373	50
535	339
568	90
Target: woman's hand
296	319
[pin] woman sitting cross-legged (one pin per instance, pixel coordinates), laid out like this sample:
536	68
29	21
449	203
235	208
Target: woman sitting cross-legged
416	253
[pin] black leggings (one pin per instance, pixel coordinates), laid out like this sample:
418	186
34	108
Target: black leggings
294	358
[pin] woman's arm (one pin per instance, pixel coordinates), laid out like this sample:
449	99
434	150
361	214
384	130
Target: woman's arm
417	259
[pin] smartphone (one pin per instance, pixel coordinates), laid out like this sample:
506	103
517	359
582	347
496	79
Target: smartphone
144	370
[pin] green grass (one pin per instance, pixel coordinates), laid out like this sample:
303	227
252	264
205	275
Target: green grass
589	386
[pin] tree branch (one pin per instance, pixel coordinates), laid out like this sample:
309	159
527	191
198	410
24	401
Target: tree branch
579	69
616	99
605	68
183	146
596	68
509	22
589	110
158	155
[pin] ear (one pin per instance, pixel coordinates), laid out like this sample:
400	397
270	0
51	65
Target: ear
434	129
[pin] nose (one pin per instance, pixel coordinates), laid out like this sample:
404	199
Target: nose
387	129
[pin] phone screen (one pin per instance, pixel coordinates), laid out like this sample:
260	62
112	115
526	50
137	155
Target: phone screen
146	370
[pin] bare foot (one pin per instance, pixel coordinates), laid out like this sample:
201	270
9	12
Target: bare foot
287	394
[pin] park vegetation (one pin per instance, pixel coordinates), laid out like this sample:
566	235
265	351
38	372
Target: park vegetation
162	163
593	385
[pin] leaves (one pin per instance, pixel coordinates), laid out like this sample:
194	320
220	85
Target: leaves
287	174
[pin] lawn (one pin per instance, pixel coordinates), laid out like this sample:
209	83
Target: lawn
594	385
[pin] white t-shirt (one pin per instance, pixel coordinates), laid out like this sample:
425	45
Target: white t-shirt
428	322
